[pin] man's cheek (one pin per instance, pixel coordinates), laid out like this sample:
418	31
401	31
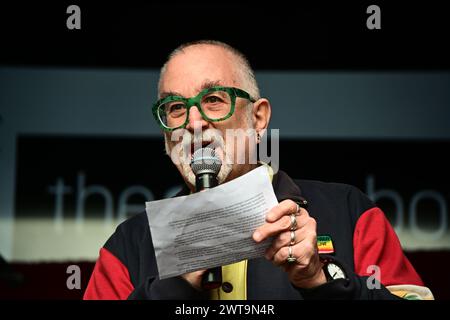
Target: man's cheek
229	154
176	154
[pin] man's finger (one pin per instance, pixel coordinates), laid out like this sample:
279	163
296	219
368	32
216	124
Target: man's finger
285	207
271	229
303	251
284	240
284	223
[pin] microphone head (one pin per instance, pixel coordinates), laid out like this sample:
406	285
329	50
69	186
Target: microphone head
205	160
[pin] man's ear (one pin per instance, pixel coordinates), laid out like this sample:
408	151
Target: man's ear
261	115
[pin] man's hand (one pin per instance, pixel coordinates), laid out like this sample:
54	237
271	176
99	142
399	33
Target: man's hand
194	278
307	271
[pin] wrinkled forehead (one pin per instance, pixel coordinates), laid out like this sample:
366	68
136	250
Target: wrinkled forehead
196	68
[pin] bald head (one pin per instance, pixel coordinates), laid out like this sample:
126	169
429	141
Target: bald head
211	60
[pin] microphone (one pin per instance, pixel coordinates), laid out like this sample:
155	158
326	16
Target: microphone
206	165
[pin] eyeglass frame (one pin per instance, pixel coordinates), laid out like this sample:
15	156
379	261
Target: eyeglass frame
196	101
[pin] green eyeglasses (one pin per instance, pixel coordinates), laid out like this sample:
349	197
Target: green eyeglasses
215	104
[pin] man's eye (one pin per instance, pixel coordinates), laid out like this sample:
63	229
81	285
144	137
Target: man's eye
213	99
176	108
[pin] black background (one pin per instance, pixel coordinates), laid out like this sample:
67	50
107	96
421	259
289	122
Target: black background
118	162
273	34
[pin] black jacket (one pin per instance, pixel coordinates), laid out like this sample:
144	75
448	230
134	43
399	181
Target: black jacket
361	235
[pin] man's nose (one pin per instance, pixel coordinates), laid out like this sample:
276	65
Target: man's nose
196	121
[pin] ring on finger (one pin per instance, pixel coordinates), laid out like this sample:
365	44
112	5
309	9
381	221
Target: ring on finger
291	258
293	222
292	238
299	210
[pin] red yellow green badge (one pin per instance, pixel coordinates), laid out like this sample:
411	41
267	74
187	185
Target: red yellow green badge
325	245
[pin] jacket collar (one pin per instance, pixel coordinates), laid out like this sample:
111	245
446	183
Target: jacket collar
285	188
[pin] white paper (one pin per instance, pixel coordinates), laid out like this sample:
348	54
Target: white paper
213	227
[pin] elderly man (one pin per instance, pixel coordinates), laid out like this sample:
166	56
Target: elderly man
329	240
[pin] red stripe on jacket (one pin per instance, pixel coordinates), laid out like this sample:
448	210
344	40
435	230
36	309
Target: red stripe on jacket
375	243
110	279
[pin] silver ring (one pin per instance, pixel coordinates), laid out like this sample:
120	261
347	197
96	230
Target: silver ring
298	209
292	238
293	222
291	258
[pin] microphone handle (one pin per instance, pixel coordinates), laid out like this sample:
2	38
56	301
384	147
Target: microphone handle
212	278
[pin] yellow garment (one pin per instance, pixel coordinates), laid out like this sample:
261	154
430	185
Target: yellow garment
235	274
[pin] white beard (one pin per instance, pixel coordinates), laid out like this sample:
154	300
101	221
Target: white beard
181	153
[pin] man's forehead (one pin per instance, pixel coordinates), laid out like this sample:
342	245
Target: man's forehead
206	84
188	83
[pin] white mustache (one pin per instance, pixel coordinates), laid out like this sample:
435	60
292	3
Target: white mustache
210	136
